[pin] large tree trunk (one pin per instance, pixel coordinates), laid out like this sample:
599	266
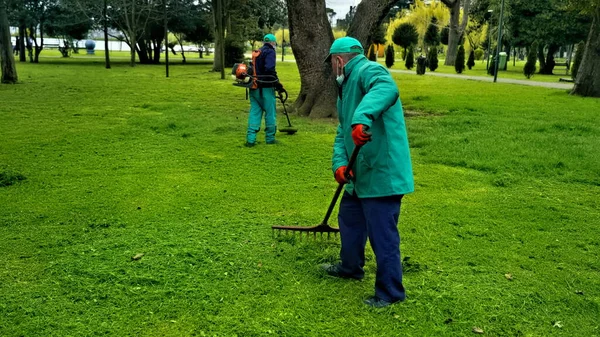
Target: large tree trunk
311	37
587	82
9	70
456	31
368	17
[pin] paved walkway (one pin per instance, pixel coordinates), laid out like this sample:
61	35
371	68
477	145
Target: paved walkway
552	85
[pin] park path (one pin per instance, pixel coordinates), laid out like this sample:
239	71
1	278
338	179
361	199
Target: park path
551	85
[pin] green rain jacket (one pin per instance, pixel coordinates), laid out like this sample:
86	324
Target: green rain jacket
370	96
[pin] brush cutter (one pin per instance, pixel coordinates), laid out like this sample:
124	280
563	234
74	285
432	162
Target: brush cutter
323	227
289	129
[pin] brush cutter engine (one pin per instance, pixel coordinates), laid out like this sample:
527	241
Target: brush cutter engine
241	73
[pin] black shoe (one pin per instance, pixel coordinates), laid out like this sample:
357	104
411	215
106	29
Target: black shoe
249	144
376	302
334	270
271	142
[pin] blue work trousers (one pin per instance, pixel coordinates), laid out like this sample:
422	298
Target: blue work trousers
260	102
377	220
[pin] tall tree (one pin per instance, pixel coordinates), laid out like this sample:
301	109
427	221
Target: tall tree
456	30
311	36
7	63
587	82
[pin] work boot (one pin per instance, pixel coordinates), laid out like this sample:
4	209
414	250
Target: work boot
247	144
335	271
376	302
270	142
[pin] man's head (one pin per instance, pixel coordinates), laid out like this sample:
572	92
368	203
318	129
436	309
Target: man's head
270	39
343	50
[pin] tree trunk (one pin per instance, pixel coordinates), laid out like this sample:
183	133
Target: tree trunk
549	64
38	49
541	57
23	37
587	82
133	46
454	35
9	70
106	51
220	20
157	45
369	15
311	37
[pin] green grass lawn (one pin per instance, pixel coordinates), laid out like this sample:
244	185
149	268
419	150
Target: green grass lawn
502	232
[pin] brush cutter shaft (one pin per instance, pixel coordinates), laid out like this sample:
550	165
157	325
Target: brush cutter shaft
340	187
283	98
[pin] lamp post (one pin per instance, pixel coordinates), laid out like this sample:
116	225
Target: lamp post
166	42
490	11
499	41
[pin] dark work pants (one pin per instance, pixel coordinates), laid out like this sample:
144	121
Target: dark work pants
377	219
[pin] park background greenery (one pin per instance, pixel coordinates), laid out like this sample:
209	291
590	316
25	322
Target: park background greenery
501	234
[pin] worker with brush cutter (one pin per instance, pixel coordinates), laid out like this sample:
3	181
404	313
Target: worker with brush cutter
370	116
262	92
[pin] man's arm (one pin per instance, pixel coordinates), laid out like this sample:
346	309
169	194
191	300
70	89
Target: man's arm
382	93
340	156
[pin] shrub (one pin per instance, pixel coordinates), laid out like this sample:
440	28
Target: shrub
459	65
234	52
373	53
479	54
432	59
410	59
445	35
529	68
471	61
432	35
578	58
389	56
405	36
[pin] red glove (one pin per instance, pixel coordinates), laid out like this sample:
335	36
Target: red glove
340	177
360	136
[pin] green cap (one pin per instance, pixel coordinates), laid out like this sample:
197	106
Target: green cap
270	38
345	45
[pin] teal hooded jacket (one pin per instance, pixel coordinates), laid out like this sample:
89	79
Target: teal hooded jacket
370	96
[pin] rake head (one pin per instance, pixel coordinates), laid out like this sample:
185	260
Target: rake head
301	230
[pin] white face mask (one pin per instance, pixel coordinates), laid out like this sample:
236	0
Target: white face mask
340	77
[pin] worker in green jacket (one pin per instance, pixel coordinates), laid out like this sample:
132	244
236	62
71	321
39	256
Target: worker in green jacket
370	116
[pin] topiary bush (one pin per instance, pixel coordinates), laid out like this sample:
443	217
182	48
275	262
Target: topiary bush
410	59
471	61
459	64
529	68
432	59
234	52
389	56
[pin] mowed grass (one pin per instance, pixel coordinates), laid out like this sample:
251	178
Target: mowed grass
501	234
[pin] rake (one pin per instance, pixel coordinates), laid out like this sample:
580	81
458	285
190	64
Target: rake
323	227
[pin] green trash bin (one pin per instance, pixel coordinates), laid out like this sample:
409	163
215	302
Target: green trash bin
502	61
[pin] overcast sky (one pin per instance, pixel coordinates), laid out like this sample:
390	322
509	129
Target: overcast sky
341	7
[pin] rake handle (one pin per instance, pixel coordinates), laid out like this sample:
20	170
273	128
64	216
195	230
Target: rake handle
340	187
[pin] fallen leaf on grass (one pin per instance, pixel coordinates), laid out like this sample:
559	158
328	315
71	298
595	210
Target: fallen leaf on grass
477	330
557	324
137	256
579	292
508	276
